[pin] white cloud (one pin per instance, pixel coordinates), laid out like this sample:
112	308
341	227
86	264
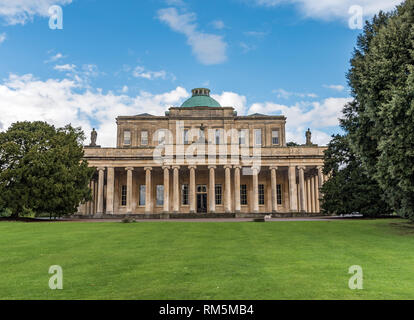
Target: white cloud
336	87
22	11
232	99
71	100
55	58
2	37
208	48
65	67
256	34
140	72
218	24
68	101
316	115
283	94
331	9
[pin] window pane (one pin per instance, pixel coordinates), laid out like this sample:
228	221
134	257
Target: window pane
243	194
217	136
275	137
160	195
258	136
261	194
144	137
161	137
185	136
184	194
123	195
142	191
279	194
127	137
218	194
242	137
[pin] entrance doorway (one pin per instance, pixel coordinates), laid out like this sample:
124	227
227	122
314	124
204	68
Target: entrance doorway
202	199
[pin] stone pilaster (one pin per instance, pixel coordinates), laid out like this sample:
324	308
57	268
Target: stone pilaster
273	177
192	188
292	189
129	171
148	190
166	208
302	188
237	188
227	188
101	178
176	189
110	183
255	177
211	189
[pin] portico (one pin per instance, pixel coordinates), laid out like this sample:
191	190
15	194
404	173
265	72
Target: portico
204	159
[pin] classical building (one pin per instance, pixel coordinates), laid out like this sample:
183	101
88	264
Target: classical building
202	158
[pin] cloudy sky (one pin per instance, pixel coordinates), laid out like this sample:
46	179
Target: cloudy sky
128	57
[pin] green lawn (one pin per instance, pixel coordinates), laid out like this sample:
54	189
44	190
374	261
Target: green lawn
178	260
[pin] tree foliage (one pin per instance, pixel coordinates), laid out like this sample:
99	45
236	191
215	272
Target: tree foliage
350	189
41	169
380	122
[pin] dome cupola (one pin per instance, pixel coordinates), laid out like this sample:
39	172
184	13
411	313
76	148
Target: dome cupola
201	98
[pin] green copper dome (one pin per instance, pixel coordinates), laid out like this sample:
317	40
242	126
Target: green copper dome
201	98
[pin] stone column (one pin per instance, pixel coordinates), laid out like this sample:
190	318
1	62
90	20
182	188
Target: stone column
192	189
274	188
237	189
316	181
320	176
129	171
312	187
292	189
211	189
302	188
227	188
148	190
176	191
99	210
166	189
90	203
308	196
255	190
110	183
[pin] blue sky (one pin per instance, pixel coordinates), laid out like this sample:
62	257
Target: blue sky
127	57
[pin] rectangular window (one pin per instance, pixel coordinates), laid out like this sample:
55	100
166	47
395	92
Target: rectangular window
243	194
161	137
123	195
243	137
279	194
127	137
184	194
275	137
217	136
261	194
218	191
258	137
160	195
144	138
185	136
142	192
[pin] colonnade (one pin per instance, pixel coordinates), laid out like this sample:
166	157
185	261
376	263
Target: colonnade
304	184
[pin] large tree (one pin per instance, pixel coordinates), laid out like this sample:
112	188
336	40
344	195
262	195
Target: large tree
41	169
380	122
349	189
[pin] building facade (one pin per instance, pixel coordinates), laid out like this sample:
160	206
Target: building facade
202	158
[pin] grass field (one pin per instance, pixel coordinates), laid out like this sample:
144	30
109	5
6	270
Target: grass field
178	260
